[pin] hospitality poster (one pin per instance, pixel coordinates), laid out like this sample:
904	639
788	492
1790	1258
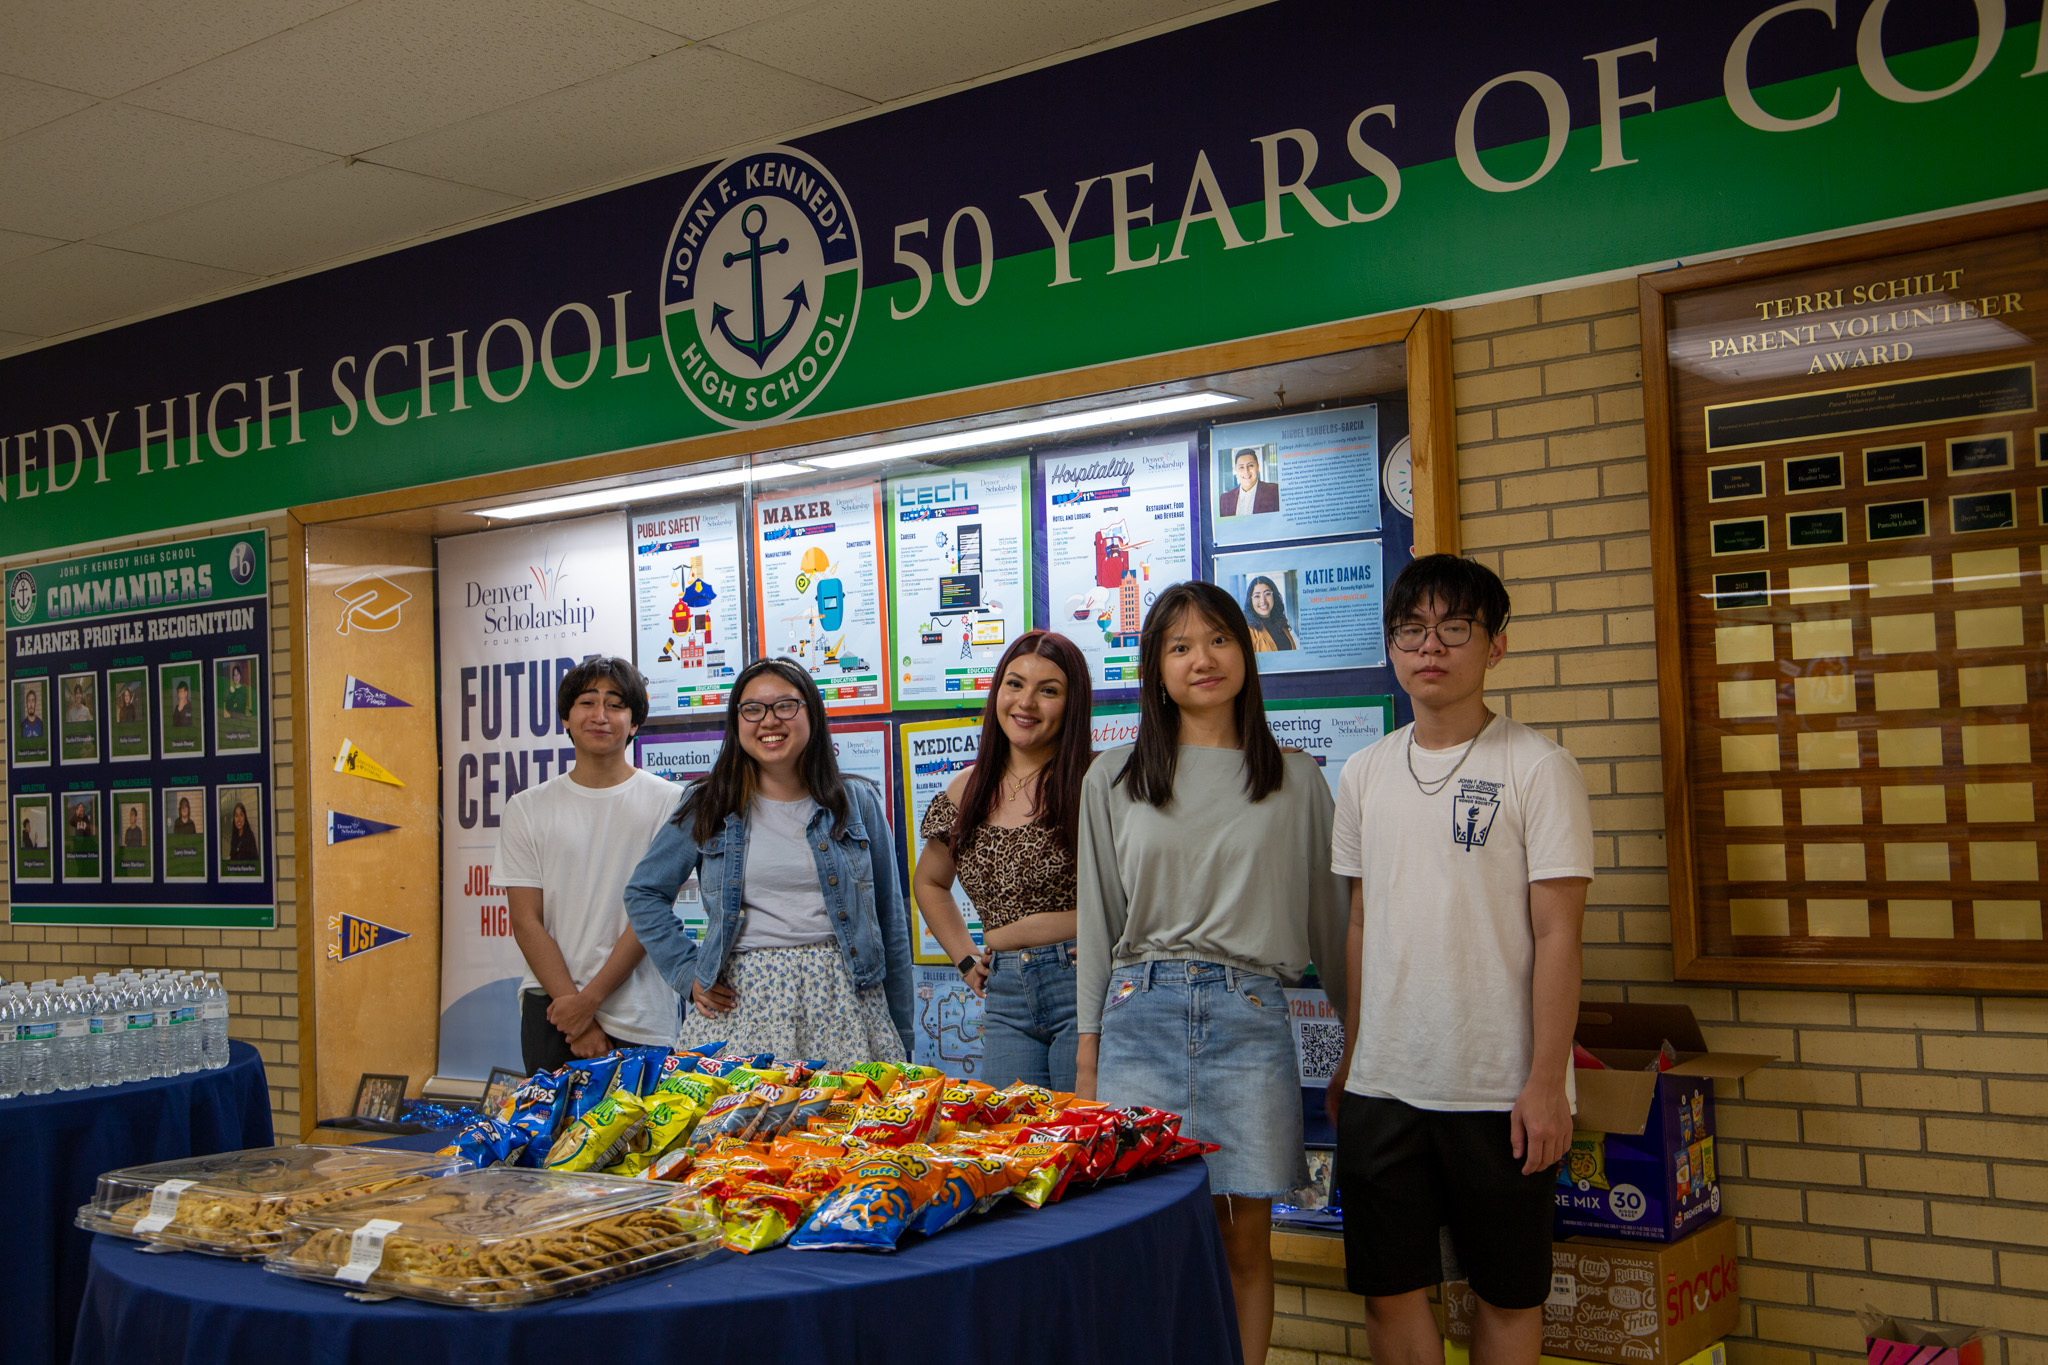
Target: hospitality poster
818	582
688	613
1119	530
1311	608
1291	478
934	751
960	578
518	608
139	780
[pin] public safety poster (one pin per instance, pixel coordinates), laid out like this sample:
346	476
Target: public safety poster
1119	530
960	578
1291	478
818	579
138	726
518	608
934	751
1310	607
688	616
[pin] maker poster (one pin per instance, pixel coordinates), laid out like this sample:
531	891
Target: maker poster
818	584
1294	477
960	575
1119	530
138	727
934	751
519	608
688	612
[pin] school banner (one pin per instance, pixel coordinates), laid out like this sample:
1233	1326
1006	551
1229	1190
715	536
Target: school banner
1400	156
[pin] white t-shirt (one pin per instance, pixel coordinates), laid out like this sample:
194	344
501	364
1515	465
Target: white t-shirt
579	845
1445	981
783	905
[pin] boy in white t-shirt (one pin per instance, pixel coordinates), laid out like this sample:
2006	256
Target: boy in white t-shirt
1469	839
565	851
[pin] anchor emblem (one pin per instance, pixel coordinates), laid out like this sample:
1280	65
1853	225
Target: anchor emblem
762	344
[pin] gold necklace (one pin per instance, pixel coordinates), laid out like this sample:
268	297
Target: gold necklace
1011	793
1445	780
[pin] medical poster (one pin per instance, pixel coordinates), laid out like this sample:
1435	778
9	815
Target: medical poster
1119	530
688	621
934	752
1311	607
960	578
1290	478
818	580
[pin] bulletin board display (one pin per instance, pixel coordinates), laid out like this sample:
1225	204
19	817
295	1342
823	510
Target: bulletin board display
1849	484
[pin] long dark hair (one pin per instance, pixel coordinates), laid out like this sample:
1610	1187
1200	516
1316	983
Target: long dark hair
1156	757
733	779
1274	623
1056	794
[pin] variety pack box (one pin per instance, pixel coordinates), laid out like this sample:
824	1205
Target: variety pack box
1628	1303
1642	1159
1456	1353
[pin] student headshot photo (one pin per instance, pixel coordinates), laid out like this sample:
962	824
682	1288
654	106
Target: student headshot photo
181	704
1250	495
78	702
124	705
31	712
81	827
234	689
33	852
1265	611
132	833
238	844
183	823
28	839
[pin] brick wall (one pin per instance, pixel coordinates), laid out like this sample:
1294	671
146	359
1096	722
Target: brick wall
1896	1156
259	968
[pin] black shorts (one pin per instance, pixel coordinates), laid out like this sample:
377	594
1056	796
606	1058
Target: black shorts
1404	1174
541	1045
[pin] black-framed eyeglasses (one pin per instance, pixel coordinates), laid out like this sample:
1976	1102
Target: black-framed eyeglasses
1451	633
754	712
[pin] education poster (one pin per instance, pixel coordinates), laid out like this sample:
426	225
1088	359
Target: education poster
960	578
1295	477
688	617
1119	530
819	594
933	752
96	791
1311	608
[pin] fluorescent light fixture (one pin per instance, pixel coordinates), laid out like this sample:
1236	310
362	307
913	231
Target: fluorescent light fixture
641	492
1021	431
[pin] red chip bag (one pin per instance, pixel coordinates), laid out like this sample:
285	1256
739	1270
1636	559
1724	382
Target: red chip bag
1047	1168
907	1116
1095	1138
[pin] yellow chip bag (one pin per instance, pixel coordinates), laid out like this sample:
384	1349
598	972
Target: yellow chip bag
669	1121
601	1136
1585	1165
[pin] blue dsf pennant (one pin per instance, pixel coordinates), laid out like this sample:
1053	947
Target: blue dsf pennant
342	828
358	695
359	936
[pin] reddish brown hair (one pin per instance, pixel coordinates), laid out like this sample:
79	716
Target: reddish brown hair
1057	788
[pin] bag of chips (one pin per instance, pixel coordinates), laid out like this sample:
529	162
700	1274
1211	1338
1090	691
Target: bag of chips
590	1081
964	1103
702	1050
1585	1165
673	1164
1047	1169
601	1136
1028	1103
914	1073
778	1109
881	1077
1156	1130
818	1174
963	1181
487	1142
907	1116
872	1205
758	1216
640	1069
668	1123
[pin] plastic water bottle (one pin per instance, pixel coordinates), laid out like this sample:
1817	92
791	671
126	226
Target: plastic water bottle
104	1032
34	1033
10	1052
188	1023
67	1051
140	1032
213	1023
165	1062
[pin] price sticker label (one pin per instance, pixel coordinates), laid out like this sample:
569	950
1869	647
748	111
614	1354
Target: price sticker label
366	1250
163	1206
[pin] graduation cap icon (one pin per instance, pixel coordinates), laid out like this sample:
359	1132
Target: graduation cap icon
370	603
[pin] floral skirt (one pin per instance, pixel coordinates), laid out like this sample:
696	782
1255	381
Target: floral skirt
798	1003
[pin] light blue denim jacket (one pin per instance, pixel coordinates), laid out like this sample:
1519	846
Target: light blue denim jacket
856	874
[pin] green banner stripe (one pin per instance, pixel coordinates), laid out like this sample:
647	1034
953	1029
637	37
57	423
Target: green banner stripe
149	916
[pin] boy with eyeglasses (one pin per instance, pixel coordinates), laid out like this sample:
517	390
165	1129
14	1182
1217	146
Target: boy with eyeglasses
565	851
1469	840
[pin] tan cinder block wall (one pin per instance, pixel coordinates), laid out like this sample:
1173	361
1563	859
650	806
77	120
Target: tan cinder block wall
1897	1156
259	968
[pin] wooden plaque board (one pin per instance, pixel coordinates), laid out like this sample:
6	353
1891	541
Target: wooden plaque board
1849	496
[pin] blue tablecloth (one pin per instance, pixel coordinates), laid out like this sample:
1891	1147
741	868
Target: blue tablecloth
1125	1273
53	1148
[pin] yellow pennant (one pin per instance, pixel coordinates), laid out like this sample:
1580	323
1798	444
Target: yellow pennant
354	760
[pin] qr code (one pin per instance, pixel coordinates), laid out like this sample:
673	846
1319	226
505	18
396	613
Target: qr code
1321	1045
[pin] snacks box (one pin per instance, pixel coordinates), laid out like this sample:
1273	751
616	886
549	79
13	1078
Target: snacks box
496	1238
1717	1354
1642	1162
237	1203
1629	1303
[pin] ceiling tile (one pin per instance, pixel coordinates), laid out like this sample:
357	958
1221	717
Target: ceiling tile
112	165
15	245
330	212
381	70
16	341
700	18
27	104
887	49
109	47
654	116
80	285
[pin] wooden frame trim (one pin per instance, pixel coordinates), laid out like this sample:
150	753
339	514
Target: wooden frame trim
303	909
1433	433
1688	963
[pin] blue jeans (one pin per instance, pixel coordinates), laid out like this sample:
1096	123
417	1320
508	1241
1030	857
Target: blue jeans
1027	1021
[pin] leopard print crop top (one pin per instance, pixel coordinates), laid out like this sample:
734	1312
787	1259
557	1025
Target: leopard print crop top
1009	871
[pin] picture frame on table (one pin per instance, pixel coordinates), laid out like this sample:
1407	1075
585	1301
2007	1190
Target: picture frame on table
379	1096
498	1089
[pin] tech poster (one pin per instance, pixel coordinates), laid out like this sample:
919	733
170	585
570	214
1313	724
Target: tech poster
1311	608
687	612
517	609
1289	478
818	574
139	792
960	577
1119	530
934	751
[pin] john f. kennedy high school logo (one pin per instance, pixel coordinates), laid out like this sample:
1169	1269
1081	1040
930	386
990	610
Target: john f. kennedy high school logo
760	287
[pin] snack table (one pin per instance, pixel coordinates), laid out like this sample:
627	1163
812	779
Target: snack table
1125	1272
56	1146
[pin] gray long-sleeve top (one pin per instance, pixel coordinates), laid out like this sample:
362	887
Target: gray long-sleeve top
1212	877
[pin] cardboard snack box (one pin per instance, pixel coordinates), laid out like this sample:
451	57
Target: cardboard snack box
1456	1353
1642	1160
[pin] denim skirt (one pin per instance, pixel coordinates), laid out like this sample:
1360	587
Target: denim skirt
1213	1044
